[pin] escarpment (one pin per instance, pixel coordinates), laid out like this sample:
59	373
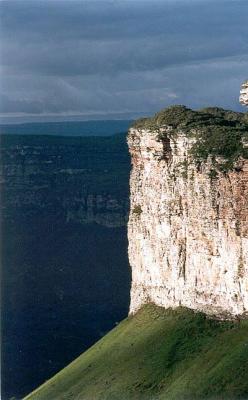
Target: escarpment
244	94
69	179
188	224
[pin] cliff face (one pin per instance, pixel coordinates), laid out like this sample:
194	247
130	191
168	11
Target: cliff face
244	94
188	225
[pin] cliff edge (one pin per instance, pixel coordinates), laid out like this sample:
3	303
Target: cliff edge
188	224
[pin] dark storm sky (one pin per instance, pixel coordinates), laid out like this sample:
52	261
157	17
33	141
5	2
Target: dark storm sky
104	58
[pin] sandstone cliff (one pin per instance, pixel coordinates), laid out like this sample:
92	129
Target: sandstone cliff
188	224
244	94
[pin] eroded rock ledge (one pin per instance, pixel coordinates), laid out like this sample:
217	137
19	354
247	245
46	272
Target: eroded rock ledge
188	224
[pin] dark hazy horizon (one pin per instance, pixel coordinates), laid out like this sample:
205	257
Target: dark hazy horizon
76	59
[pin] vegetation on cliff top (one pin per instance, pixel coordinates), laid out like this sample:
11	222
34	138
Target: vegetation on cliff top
218	132
159	354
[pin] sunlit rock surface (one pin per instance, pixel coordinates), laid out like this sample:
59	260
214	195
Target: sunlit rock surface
244	94
188	230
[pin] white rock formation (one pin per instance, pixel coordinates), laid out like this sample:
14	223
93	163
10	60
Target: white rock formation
244	94
188	231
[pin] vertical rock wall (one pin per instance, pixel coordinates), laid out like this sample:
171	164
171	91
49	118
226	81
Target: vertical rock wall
244	94
187	230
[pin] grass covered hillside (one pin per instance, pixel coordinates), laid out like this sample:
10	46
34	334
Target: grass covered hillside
158	354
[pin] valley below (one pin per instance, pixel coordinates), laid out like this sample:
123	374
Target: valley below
65	271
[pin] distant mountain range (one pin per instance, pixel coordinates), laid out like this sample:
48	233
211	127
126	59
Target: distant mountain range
68	128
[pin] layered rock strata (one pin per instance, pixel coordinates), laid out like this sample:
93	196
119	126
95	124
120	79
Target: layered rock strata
188	226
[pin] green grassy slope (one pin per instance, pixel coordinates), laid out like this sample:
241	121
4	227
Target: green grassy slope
158	354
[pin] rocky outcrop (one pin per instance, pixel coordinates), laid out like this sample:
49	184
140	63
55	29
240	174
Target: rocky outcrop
188	224
244	94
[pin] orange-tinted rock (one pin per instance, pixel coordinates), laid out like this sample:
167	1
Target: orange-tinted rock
189	244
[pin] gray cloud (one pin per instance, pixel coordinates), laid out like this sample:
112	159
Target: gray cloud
65	57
